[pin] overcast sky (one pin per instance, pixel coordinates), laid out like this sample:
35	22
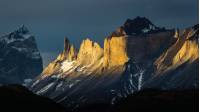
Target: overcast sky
51	20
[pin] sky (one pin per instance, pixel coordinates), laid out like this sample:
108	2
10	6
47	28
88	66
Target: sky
52	20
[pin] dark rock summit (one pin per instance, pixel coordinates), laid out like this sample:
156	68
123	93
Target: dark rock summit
20	59
137	26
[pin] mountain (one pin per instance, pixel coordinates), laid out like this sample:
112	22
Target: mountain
137	56
20	59
137	26
20	99
179	63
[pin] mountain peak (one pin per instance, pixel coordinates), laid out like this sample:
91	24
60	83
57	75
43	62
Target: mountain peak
22	29
20	34
89	52
138	25
69	52
138	19
19	48
66	45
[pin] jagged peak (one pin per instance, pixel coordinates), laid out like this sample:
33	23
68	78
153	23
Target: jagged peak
20	34
191	32
89	52
139	19
22	29
69	52
89	42
66	45
136	26
139	25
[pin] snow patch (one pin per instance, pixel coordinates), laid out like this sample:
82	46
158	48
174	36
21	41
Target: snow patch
26	82
45	88
140	79
56	76
12	39
71	85
59	85
145	30
20	49
67	65
36	55
35	83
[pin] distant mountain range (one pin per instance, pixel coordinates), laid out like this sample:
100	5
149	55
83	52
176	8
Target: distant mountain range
135	57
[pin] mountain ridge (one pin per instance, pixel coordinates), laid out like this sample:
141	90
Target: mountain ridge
126	64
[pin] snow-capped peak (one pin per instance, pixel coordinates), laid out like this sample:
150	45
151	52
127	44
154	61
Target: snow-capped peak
21	34
138	25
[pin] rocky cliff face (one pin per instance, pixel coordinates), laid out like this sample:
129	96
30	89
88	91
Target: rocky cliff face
115	51
178	65
20	58
186	49
90	56
69	53
138	55
90	52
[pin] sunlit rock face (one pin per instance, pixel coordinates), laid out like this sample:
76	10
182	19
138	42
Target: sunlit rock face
138	55
19	57
91	58
115	51
89	52
186	49
69	53
177	67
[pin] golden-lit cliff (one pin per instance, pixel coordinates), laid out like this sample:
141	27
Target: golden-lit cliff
69	53
166	50
91	57
138	55
89	52
115	51
186	49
